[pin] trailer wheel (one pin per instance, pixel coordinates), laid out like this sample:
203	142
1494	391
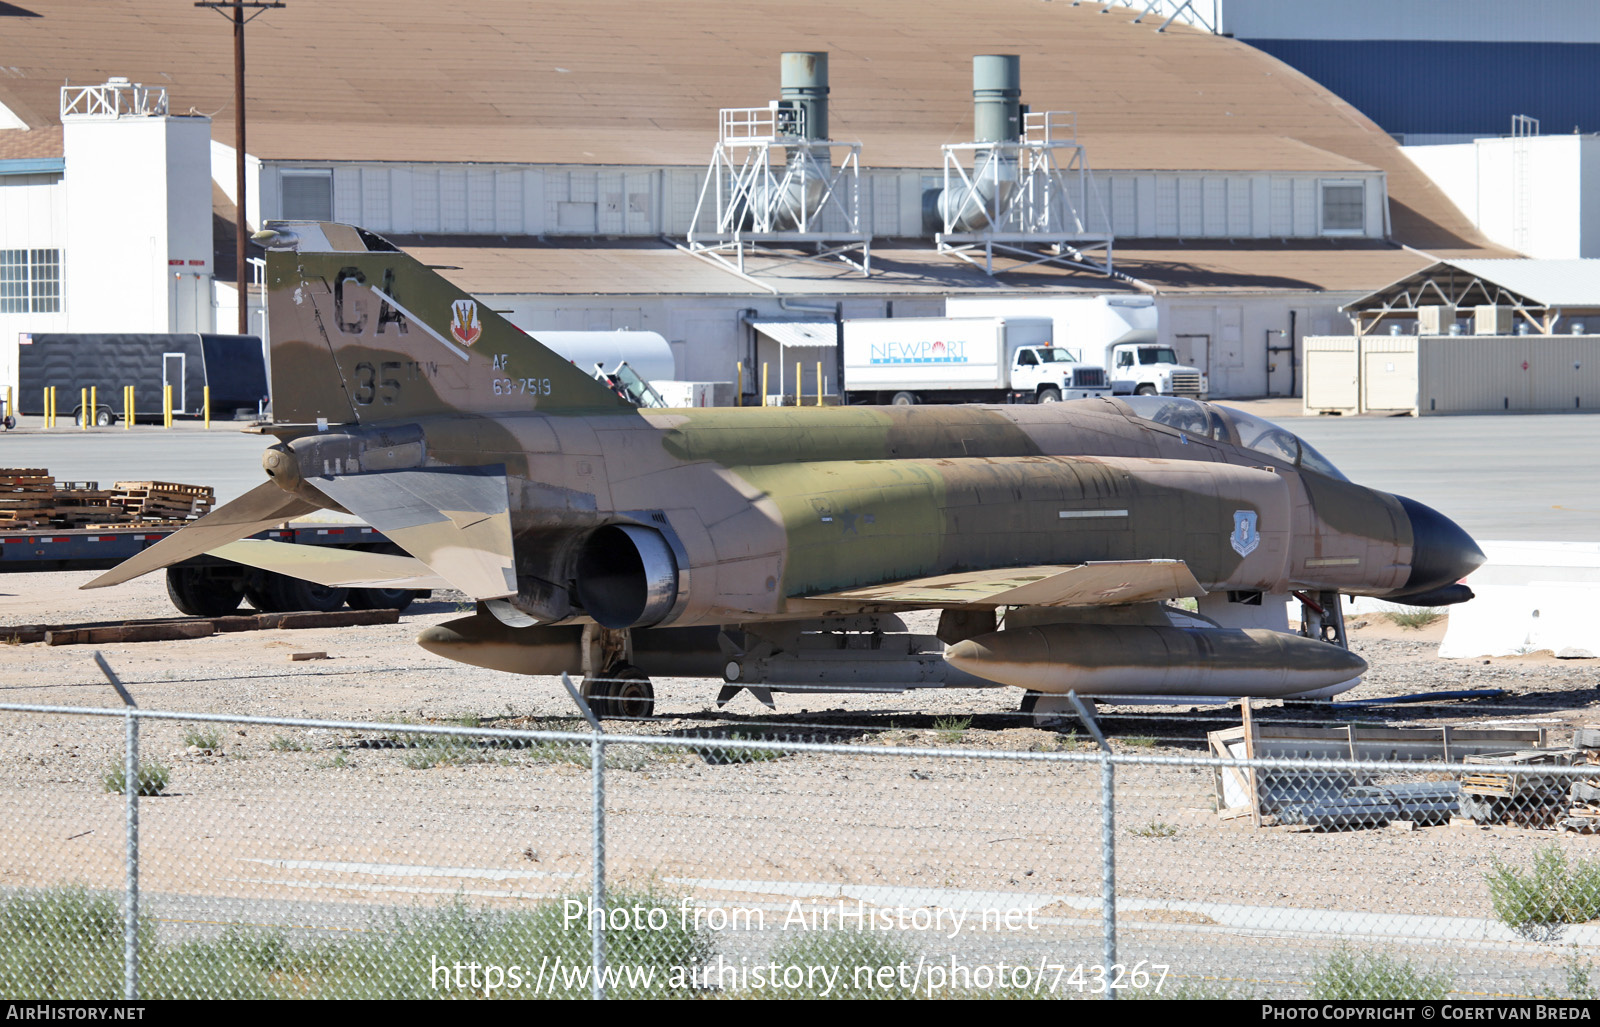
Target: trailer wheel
904	399
103	417
381	598
200	594
280	593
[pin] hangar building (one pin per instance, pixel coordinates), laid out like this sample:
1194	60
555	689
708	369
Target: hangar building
552	156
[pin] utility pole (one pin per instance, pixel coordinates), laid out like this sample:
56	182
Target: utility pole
241	268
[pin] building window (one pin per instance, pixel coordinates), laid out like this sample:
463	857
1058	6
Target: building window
307	195
1344	208
30	281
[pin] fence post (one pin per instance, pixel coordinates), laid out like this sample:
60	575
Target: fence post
130	788
1108	846
597	798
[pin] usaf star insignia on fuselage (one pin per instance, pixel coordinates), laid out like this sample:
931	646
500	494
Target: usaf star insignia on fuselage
774	548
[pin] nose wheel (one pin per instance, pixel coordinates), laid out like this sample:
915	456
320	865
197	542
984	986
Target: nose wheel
621	691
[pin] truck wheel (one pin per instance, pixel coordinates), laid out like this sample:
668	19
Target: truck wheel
1145	390
1050	395
280	593
904	399
381	598
199	594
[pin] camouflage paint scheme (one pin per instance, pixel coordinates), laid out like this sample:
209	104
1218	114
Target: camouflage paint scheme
382	370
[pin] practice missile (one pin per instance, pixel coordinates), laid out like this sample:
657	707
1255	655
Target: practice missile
1151	660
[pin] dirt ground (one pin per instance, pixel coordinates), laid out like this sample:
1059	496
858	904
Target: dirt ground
323	821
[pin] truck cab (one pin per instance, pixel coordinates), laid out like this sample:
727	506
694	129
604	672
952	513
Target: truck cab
1150	369
1048	374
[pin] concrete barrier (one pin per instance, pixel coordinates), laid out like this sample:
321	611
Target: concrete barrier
1530	596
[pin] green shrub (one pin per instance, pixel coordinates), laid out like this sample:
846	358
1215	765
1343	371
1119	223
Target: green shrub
62	943
1417	618
1552	892
1349	975
153	778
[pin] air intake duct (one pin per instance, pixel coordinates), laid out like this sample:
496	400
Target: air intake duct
627	576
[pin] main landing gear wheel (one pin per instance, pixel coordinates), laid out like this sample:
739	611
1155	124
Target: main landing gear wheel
620	691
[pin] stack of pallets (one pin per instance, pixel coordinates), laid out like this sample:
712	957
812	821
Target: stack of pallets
1507	787
30	497
27	497
82	503
162	502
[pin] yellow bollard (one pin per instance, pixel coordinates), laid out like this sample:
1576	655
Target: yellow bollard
83	409
49	407
8	401
127	407
763	383
819	383
798	382
205	395
738	391
94	404
166	406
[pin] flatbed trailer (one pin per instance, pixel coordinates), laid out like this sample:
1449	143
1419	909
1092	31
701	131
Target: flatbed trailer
206	586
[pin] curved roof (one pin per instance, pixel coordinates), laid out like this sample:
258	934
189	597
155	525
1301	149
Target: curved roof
623	82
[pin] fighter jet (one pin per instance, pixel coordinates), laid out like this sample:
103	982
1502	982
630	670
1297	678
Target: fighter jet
778	548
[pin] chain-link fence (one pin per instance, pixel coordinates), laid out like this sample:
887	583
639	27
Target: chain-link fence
259	856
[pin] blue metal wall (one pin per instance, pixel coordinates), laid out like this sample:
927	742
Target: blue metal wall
1454	87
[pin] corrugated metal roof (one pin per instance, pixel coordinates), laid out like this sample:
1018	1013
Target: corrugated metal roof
900	267
629	83
1549	283
798	333
1562	284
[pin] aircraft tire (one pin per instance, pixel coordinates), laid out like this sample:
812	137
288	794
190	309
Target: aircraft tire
628	692
197	594
381	598
1030	699
597	693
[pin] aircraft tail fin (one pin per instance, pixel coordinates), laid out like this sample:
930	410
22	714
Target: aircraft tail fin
362	331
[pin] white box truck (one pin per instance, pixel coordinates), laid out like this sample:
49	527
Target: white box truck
1150	369
908	360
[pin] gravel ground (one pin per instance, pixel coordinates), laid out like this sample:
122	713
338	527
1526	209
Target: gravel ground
319	821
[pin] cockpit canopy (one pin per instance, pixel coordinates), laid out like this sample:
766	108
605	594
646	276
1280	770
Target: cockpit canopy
1226	424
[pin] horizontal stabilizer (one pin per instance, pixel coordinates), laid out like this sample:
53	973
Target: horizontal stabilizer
1087	584
326	565
457	521
262	507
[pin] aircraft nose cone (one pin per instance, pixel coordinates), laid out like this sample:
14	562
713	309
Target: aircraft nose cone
1441	553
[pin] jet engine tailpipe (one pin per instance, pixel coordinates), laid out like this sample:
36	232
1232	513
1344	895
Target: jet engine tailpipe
627	576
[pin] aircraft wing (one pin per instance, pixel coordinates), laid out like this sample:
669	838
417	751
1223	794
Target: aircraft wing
1087	584
456	521
261	507
326	565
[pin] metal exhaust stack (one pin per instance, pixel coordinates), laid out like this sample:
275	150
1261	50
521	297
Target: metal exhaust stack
803	84
997	119
803	89
996	98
